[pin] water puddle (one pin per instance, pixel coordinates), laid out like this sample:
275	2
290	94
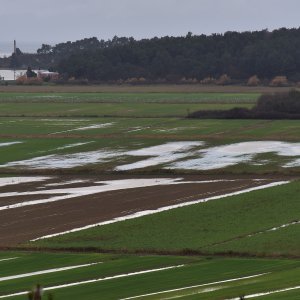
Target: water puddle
18	180
9	144
229	155
64	161
160	154
140	214
94	126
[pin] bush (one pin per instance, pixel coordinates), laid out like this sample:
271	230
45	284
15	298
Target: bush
253	81
278	106
23	80
281	103
208	80
224	80
279	81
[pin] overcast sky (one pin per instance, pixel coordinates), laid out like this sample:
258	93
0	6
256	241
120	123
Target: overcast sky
61	20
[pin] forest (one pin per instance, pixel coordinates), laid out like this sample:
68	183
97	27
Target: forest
227	58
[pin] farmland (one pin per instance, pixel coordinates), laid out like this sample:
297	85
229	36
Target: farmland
150	277
171	207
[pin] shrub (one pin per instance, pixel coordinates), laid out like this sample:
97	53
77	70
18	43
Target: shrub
281	103
23	80
253	81
279	81
278	106
189	80
208	80
224	80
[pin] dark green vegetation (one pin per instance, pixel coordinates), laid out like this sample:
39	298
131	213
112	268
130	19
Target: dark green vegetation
220	226
277	106
240	55
208	278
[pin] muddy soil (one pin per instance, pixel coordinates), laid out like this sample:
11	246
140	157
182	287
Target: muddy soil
22	224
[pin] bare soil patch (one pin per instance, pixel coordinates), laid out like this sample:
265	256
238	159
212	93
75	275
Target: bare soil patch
22	224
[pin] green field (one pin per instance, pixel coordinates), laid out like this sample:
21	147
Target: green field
135	110
191	278
161	128
129	97
226	232
118	104
219	226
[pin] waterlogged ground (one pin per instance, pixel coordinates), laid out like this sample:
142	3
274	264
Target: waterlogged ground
179	155
36	207
119	138
128	145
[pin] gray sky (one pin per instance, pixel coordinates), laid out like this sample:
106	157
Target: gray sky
61	20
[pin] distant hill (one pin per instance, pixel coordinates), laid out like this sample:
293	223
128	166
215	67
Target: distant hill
173	59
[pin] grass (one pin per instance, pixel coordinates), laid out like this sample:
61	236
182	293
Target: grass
160	128
196	271
209	98
138	110
213	227
110	265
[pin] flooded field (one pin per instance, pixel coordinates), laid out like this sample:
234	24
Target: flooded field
37	207
127	173
182	155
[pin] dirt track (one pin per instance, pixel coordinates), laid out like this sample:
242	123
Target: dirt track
19	225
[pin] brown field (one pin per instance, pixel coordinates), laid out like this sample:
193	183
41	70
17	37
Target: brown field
22	224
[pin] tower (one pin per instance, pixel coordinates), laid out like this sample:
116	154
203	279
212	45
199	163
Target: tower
15	52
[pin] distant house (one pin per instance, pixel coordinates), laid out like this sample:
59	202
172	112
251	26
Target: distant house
44	74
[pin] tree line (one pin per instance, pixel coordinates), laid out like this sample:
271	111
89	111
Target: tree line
234	55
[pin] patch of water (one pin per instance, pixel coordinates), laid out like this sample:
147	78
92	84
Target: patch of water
66	147
195	286
7	259
63	120
47	271
96	280
18	180
64	161
275	228
134	129
166	208
161	154
267	293
94	126
293	164
229	155
105	186
9	144
73	145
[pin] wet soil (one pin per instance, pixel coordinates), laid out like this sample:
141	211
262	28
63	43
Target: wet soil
22	224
